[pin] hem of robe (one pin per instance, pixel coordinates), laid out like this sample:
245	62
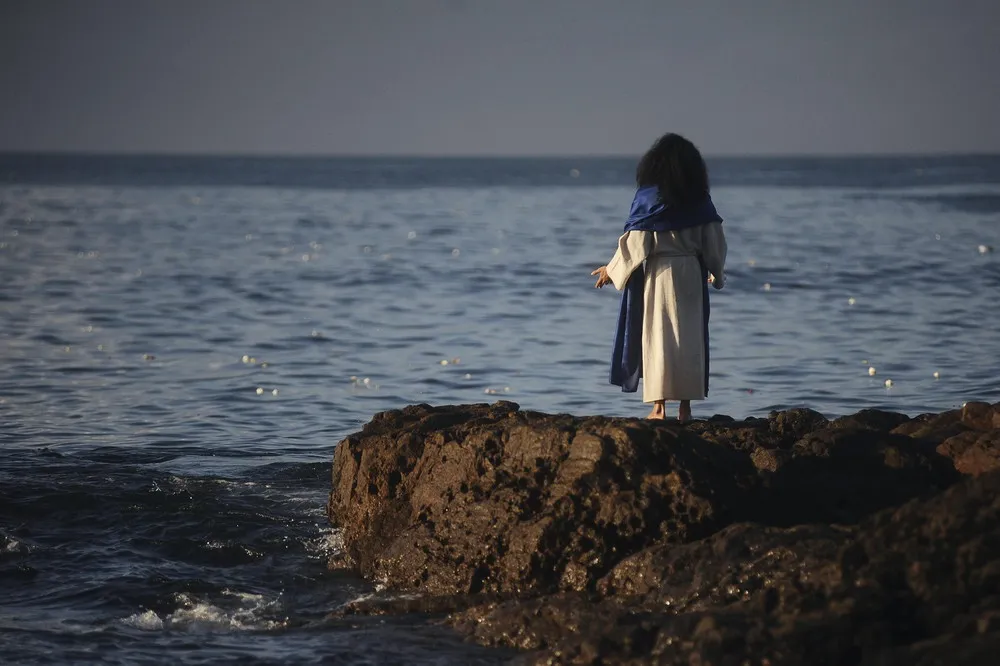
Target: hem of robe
704	397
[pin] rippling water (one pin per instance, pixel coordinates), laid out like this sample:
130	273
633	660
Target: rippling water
183	341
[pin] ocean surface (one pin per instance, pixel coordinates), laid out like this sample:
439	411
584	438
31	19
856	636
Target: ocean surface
183	341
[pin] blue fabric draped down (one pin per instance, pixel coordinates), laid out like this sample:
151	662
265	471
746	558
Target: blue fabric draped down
649	213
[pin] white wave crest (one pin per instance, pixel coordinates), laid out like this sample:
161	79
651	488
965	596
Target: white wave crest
234	611
148	621
329	543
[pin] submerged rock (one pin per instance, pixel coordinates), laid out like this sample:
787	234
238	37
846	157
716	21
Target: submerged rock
785	540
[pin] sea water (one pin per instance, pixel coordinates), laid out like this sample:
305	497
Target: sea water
183	341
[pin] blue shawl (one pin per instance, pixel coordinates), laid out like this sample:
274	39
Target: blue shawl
649	213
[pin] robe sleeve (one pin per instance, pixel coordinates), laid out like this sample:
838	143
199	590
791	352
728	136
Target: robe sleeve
713	250
633	248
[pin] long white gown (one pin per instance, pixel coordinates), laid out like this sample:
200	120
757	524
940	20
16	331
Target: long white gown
673	325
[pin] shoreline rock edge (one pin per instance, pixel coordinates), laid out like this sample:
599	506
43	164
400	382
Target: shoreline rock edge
872	538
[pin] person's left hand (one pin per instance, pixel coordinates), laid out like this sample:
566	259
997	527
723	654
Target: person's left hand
602	277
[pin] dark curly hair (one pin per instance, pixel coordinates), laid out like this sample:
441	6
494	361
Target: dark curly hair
676	167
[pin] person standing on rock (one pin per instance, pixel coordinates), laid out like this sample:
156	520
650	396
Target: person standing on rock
672	249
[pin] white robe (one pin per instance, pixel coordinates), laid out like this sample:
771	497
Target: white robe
673	325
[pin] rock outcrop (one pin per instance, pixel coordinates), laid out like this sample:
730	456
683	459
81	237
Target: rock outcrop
872	538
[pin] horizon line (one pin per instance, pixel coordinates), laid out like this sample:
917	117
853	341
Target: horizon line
482	156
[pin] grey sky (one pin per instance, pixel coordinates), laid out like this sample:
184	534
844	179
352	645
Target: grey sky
499	77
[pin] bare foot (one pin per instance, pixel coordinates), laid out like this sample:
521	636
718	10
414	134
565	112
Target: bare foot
658	412
684	411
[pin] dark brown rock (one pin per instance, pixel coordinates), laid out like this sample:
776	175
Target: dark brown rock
793	424
769	460
933	427
896	589
786	540
741	436
955	446
539	622
734	565
980	416
974	453
486	499
973	446
779	431
840	475
871	419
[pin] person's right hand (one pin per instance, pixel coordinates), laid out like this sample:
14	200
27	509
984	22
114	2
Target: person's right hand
602	277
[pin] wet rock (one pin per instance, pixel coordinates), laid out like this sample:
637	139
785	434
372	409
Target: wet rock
981	416
741	436
871	419
786	540
488	499
779	431
933	427
973	453
735	565
536	623
793	424
896	589
769	460
969	437
955	446
840	475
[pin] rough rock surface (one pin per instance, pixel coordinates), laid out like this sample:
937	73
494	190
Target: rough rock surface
489	499
870	539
